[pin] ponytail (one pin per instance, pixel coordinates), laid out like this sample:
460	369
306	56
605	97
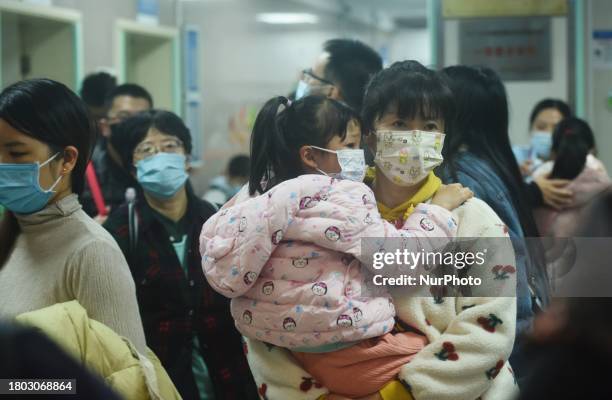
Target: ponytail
572	142
267	142
282	127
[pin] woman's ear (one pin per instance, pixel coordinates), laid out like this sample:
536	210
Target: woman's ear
69	159
307	157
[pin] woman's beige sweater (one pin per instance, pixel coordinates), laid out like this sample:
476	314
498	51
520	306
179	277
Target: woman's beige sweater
61	254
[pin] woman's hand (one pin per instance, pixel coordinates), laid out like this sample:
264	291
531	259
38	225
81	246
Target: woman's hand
451	196
554	193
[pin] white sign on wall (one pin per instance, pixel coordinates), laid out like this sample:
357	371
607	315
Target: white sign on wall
602	49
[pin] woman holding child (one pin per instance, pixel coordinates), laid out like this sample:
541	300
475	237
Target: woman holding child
442	347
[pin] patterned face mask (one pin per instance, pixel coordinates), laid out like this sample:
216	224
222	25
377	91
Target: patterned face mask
407	157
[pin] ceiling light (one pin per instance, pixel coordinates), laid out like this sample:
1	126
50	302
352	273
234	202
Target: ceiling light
287	18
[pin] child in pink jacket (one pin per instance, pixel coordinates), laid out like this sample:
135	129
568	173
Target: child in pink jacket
572	148
290	257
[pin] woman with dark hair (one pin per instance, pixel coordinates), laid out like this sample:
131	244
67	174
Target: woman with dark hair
546	114
552	192
50	250
573	143
187	324
405	113
478	155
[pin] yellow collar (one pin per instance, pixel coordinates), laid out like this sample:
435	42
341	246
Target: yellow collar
403	211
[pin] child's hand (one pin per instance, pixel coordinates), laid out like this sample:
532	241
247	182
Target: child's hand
451	196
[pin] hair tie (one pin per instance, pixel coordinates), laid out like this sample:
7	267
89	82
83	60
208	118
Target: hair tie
285	104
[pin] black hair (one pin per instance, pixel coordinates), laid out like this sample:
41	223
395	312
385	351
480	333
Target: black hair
412	89
129	89
282	128
351	64
481	125
572	141
96	88
51	113
557	104
134	129
239	166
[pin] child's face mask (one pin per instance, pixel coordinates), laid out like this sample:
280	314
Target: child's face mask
351	161
407	157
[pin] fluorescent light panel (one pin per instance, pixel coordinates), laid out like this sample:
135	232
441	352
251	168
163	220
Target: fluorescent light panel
287	18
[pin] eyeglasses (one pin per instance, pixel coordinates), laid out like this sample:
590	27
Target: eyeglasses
308	73
148	149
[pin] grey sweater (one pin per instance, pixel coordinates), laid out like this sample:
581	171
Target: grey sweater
61	254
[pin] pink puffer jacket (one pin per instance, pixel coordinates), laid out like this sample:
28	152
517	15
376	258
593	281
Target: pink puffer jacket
287	260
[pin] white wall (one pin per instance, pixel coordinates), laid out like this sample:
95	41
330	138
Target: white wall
522	96
411	44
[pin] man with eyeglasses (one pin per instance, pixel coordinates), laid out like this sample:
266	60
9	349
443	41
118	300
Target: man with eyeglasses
111	178
341	72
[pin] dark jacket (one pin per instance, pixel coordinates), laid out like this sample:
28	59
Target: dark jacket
175	308
480	177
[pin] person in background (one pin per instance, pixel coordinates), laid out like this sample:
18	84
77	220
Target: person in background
545	115
478	155
187	324
95	89
341	72
224	187
50	250
113	179
573	144
541	190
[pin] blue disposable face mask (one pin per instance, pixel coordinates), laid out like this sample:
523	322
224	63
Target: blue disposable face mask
20	189
302	90
541	144
352	164
162	175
